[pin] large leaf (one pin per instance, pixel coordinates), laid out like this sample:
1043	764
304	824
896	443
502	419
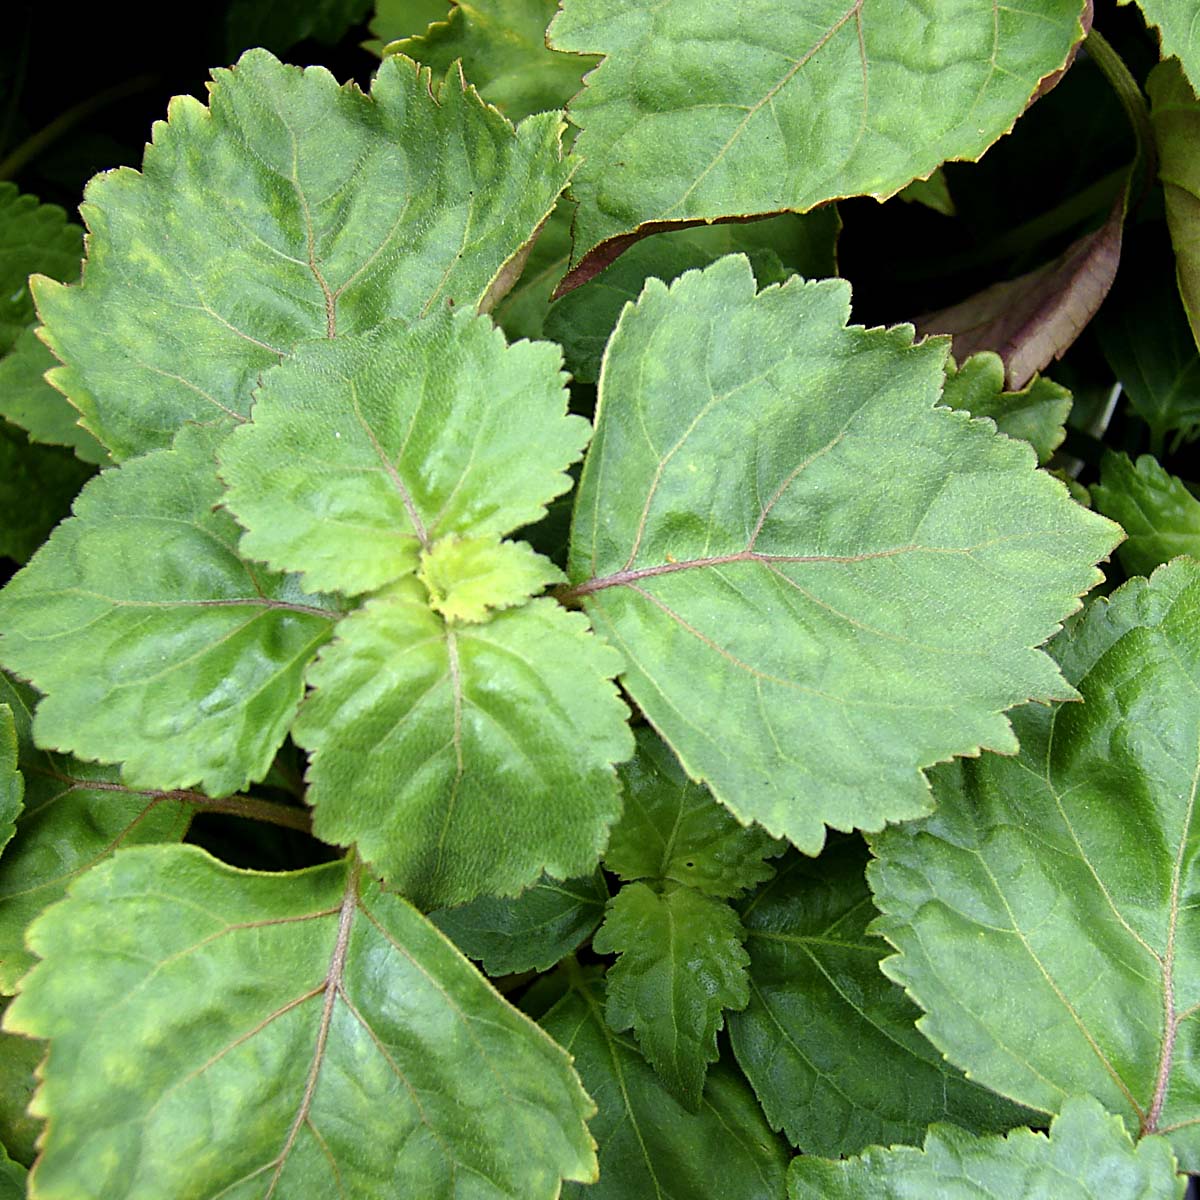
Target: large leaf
289	209
1178	32
680	965
1088	1156
1156	510
364	452
156	645
829	1045
295	1035
708	110
464	760
777	523
649	1144
1044	916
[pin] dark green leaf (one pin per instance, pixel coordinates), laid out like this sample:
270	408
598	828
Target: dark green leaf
1156	510
280	24
19	1057
12	786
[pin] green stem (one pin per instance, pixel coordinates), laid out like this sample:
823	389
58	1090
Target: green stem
254	809
1112	67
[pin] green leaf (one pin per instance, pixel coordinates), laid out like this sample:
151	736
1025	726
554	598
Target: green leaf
687	120
280	24
366	450
301	1035
28	400
1156	510
530	932
33	237
584	318
1088	1156
1043	915
157	647
933	192
1178	33
12	786
1175	115
75	814
680	965
673	829
465	760
830	1045
19	1058
401	18
502	45
1036	414
289	209
777	523
469	577
521	313
12	1178
649	1144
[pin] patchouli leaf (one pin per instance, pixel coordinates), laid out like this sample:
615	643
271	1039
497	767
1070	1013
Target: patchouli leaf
1044	915
299	1035
1178	32
157	647
291	208
365	450
800	104
12	1178
1156	510
529	932
464	761
680	965
649	1144
828	1043
19	1058
521	312
12	786
672	828
1088	1156
280	24
777	523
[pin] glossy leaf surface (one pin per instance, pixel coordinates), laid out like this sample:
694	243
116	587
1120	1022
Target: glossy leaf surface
1156	510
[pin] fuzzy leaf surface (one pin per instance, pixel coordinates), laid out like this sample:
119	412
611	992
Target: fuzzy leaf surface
649	1144
155	644
828	1043
680	965
776	523
529	932
1155	508
366	450
464	761
1088	1156
290	208
1044	915
799	106
672	829
299	1035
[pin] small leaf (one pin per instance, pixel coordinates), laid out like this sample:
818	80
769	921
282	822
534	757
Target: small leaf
298	1035
1044	916
649	1144
933	192
157	647
680	965
289	209
777	523
1088	1156
468	578
673	829
829	1045
530	932
12	786
1156	510
464	761
365	450
401	18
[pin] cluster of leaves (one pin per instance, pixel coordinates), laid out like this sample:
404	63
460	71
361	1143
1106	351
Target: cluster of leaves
292	728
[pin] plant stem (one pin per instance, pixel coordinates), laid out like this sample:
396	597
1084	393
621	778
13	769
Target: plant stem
253	809
1113	68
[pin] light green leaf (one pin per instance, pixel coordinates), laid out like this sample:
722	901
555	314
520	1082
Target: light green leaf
1043	915
33	237
28	400
12	786
530	932
821	101
649	1144
1156	510
469	577
366	450
157	647
829	1045
1037	413
502	45
280	24
289	209
777	523
303	1035
680	965
673	829
466	760
1088	1156
1178	32
584	318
